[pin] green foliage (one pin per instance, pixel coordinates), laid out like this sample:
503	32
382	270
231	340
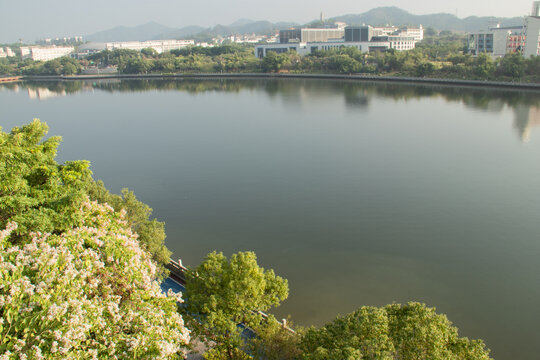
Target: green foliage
343	63
41	195
60	66
273	62
484	66
151	232
512	65
36	192
405	332
149	52
425	68
438	55
136	66
275	342
224	293
75	280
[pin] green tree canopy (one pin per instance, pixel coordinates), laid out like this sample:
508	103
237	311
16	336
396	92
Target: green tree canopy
405	332
512	65
272	62
41	195
224	293
37	193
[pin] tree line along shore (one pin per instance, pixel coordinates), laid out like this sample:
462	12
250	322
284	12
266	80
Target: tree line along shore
441	56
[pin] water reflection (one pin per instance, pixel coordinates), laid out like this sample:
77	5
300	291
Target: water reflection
525	104
358	193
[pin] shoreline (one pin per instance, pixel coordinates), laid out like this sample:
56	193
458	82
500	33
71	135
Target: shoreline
367	78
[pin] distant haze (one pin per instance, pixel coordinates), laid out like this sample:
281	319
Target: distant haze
33	19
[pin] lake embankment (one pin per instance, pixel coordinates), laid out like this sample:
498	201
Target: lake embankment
367	78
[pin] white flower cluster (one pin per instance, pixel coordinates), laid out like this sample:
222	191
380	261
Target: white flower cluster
88	293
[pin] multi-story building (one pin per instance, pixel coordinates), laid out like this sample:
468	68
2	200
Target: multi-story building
496	41
321	35
364	38
399	43
358	33
532	32
290	36
417	32
159	45
45	53
308	48
6	52
515	43
307	35
499	41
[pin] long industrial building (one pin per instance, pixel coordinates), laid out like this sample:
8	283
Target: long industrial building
160	46
45	53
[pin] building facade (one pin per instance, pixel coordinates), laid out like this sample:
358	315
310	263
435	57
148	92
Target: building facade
532	36
160	46
45	53
321	35
496	41
290	36
358	33
307	35
303	49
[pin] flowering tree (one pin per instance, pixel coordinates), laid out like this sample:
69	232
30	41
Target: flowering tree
41	195
89	292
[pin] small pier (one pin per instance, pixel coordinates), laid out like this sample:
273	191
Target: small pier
5	79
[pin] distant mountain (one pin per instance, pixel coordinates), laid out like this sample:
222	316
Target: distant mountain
181	33
242	26
143	32
398	17
378	16
155	31
241	22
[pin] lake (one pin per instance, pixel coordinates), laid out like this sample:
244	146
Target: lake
357	193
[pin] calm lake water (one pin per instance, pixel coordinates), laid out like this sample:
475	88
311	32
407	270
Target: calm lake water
357	193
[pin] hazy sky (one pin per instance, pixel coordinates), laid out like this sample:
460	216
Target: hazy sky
33	19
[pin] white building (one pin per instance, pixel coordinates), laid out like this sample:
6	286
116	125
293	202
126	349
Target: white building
307	48
321	35
160	46
45	53
532	32
496	41
417	32
6	52
402	43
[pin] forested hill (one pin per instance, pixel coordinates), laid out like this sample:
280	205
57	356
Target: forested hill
153	31
377	16
398	17
130	33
